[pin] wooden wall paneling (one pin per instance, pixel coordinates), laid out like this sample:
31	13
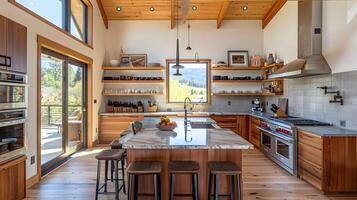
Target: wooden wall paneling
337	163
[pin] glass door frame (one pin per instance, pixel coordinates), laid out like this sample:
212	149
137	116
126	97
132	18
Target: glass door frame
54	163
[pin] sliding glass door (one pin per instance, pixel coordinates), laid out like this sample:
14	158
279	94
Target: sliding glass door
63	108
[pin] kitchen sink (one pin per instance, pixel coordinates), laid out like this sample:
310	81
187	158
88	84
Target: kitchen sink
202	125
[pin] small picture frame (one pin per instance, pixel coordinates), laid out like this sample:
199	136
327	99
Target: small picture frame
134	60
239	58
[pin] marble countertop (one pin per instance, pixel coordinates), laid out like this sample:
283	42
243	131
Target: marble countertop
184	137
318	130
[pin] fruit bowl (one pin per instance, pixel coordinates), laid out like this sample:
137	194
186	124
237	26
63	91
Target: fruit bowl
163	127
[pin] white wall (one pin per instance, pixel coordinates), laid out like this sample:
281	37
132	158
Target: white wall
280	36
339	36
35	27
157	39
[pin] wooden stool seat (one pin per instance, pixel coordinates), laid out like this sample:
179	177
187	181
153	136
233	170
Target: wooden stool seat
110	154
226	168
115	144
183	167
142	167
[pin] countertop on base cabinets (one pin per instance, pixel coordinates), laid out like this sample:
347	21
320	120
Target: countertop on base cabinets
184	137
318	130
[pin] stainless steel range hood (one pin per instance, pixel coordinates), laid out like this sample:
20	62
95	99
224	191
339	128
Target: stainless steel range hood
311	61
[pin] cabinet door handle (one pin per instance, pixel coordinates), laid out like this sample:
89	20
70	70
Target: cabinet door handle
3	60
8	61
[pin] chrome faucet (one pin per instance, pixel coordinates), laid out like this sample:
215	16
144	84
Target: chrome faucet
187	99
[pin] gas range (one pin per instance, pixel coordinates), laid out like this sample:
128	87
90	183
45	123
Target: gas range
297	121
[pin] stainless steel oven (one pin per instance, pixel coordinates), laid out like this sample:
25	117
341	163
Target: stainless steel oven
13	90
279	144
12	134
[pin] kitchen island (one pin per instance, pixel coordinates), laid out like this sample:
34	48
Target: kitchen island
200	144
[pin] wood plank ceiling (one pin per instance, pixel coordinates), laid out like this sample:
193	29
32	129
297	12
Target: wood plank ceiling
206	9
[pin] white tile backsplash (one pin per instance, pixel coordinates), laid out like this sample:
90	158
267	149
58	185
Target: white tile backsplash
306	100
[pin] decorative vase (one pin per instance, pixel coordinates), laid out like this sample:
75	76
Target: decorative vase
271	59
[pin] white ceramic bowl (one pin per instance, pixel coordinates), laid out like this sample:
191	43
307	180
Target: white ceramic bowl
114	63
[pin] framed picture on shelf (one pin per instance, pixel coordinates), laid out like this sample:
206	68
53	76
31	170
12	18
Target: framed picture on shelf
134	60
238	58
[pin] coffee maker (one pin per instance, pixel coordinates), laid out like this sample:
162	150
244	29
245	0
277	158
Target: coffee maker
257	106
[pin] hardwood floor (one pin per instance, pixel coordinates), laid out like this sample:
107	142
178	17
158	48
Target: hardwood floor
262	180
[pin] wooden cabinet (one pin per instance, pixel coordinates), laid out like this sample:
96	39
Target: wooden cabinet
254	133
13	45
13	179
237	123
328	163
110	127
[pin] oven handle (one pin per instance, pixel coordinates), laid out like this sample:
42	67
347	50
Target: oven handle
287	139
12	122
14	84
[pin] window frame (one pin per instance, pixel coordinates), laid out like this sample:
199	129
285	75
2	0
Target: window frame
88	24
209	79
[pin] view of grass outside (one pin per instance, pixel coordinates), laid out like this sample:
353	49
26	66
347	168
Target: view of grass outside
192	83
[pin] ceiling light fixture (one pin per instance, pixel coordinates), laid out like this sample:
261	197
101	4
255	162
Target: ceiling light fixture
244	8
194	8
119	8
152	8
177	65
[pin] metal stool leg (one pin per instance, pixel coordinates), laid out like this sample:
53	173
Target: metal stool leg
130	186
123	174
232	187
159	185
195	180
116	181
209	185
238	187
98	179
106	176
112	171
216	188
155	187
172	186
136	187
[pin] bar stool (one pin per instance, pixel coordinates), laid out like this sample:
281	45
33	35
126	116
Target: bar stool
184	167
114	155
224	168
139	168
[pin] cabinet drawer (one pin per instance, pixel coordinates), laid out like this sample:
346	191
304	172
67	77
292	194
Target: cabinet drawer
224	118
227	125
310	139
314	181
255	141
310	154
311	168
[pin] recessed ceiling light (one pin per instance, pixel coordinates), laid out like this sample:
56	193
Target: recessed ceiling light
194	8
119	8
152	8
244	8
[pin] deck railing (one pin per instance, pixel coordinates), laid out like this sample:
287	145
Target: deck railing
51	114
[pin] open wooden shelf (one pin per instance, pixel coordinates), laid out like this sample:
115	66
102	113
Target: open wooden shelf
271	80
246	94
237	81
235	68
133	68
132	81
132	94
273	65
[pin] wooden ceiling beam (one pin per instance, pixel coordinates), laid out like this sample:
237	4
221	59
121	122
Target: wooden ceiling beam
272	12
102	12
222	12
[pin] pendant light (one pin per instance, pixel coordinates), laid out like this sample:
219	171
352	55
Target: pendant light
189	36
177	65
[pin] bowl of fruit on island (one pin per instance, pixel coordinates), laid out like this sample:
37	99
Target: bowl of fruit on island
166	124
